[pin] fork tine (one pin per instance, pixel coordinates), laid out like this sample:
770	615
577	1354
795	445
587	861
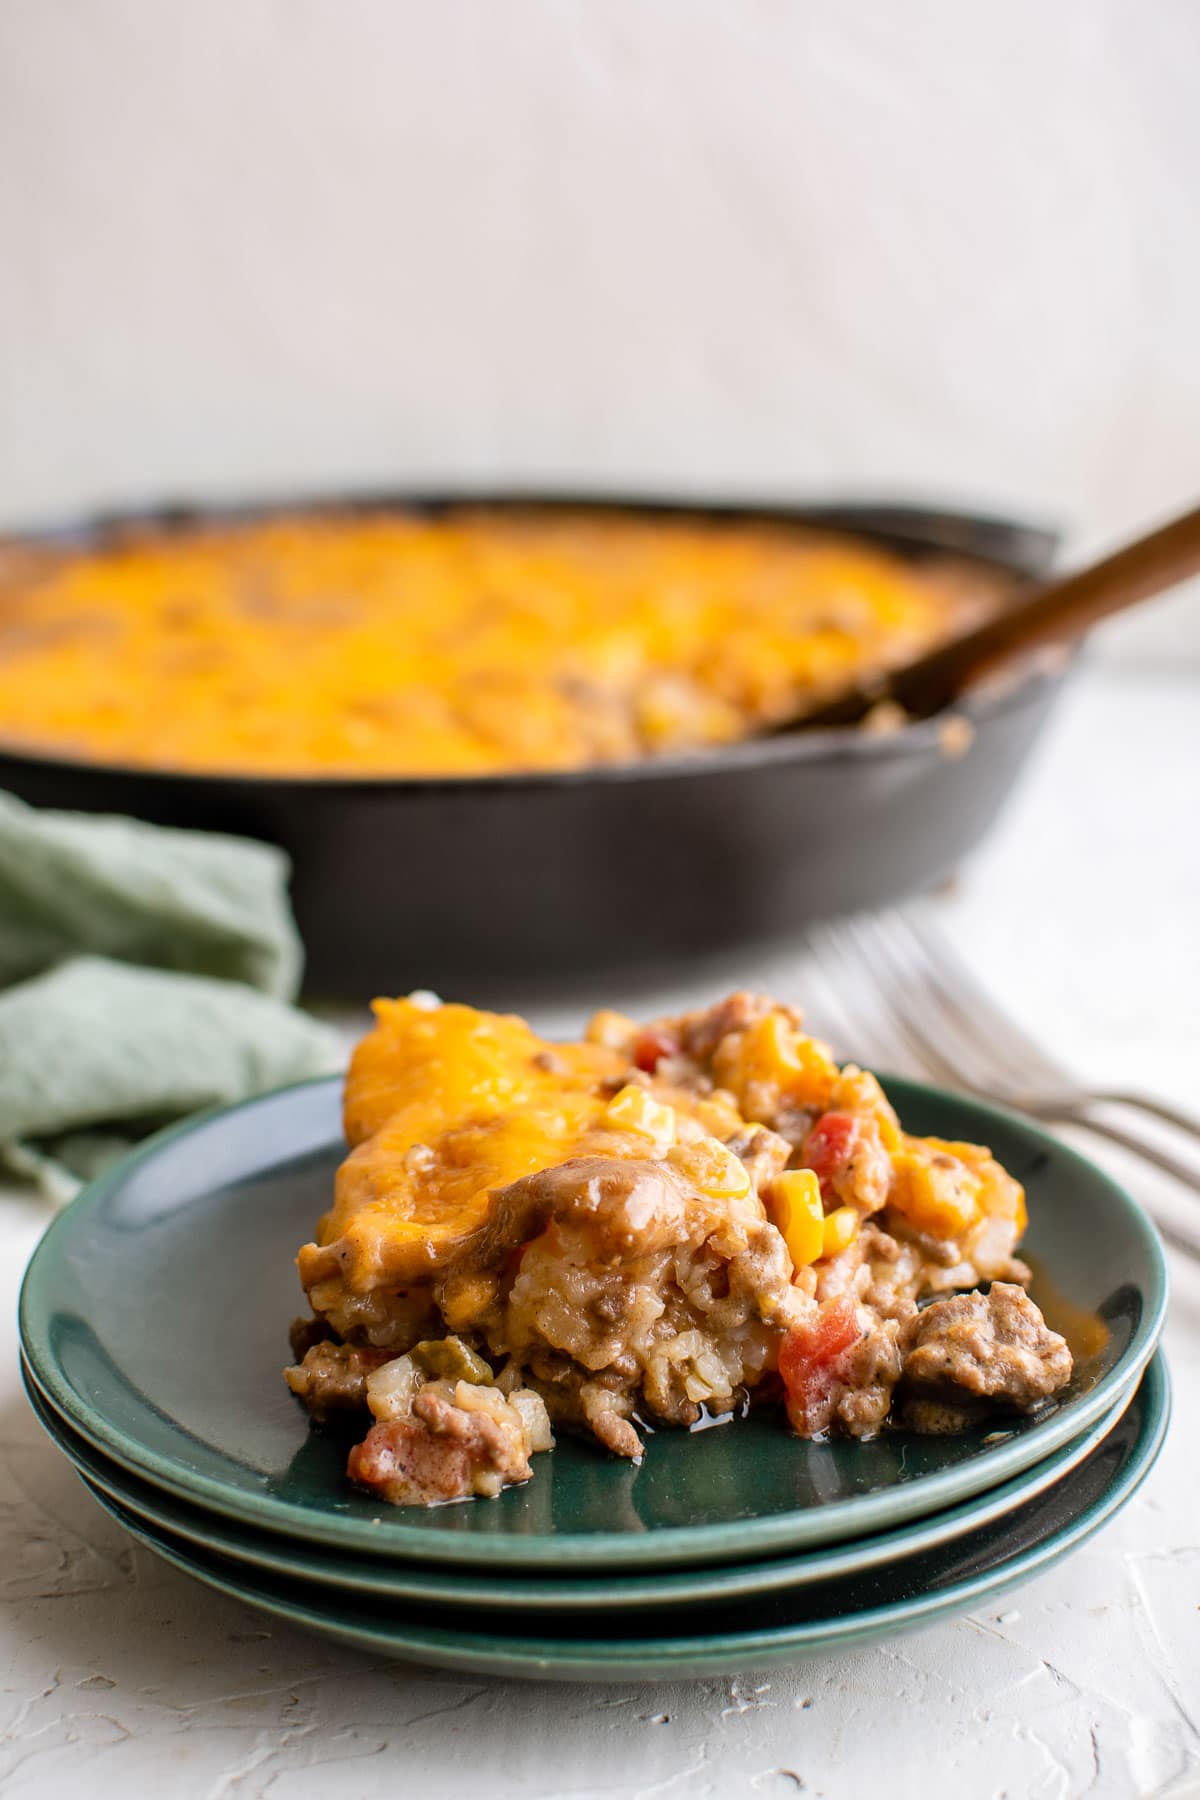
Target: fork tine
1028	1067
965	1040
825	1013
936	1028
847	978
1026	1061
968	1040
896	963
952	1037
836	1000
871	1033
904	992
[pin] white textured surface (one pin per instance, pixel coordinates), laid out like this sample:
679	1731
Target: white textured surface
929	248
118	1677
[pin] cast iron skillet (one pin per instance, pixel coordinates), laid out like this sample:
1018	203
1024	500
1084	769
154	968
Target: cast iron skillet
488	887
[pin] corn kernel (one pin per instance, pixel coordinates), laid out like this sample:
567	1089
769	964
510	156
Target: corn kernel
633	1109
839	1229
794	1204
938	1196
713	1168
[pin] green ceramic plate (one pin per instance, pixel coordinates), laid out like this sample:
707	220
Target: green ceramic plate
154	1319
745	1634
442	1585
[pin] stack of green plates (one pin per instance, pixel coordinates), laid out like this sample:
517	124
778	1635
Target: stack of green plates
154	1330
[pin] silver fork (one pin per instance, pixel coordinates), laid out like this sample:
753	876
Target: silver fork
903	995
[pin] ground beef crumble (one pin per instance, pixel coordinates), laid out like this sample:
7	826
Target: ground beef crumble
332	1378
994	1346
440	1451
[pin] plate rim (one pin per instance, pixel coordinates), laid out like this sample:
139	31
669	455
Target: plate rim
656	1659
540	1593
854	1516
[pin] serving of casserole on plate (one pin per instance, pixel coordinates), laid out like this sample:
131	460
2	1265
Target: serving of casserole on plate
180	1395
657	1225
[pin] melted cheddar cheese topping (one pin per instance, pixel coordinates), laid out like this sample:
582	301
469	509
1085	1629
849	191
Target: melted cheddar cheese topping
468	643
446	1106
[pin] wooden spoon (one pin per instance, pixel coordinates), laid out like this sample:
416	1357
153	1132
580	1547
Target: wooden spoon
1052	612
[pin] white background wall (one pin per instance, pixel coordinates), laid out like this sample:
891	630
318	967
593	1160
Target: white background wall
747	245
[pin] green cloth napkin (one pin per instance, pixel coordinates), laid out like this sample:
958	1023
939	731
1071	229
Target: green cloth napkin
190	900
145	974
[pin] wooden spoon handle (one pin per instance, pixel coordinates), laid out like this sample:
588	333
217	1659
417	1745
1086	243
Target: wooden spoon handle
1052	613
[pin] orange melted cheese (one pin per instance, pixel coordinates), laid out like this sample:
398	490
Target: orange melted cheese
466	644
446	1106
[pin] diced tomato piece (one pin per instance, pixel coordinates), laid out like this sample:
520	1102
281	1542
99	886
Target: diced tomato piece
652	1046
812	1359
829	1146
817	1343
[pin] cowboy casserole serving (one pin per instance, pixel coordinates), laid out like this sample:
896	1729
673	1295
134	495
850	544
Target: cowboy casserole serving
654	1226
